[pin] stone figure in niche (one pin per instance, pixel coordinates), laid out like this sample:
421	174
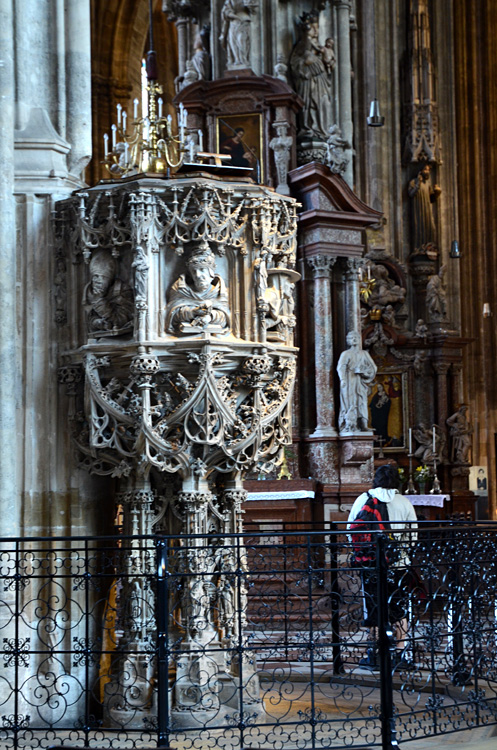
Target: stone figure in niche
436	297
311	66
385	291
198	301
279	303
423	195
460	432
235	32
424	437
357	371
140	267
108	301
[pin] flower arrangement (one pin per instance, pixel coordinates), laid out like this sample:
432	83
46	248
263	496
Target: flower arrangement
402	474
422	473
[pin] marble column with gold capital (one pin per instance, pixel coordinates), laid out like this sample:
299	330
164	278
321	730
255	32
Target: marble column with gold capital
321	267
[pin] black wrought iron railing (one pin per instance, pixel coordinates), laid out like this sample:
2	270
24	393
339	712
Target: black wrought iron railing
248	641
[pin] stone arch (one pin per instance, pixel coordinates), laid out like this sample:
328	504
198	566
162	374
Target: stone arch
120	30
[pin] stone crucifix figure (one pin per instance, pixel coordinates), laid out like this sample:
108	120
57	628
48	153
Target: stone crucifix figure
357	371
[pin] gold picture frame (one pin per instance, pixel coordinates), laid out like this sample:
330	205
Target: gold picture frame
388	411
245	149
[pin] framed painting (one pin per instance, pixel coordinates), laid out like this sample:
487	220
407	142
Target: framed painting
240	136
388	415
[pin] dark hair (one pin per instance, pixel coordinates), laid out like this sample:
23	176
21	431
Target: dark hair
239	130
387	477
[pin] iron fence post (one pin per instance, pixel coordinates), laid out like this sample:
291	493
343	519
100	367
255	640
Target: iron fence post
162	645
385	643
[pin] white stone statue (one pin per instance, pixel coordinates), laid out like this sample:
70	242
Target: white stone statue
200	302
107	300
460	432
357	371
311	66
201	59
235	32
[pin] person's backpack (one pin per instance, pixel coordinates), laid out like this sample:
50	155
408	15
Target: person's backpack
373	516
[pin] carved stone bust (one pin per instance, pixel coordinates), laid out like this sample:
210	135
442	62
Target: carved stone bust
108	301
198	300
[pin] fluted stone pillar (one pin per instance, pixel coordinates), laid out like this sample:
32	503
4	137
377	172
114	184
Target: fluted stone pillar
345	80
321	268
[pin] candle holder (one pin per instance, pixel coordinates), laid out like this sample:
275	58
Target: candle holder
149	144
436	488
411	487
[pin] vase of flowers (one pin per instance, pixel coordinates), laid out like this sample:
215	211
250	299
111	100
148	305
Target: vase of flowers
421	475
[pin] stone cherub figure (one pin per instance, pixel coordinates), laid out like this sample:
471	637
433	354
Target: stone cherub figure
198	301
357	371
460	432
108	301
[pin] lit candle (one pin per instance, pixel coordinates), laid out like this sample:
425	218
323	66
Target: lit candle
135	109
200	140
114	136
159	102
434	435
106	144
119	110
125	117
410	441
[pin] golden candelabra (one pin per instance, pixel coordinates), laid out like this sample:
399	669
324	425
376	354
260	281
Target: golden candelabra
149	144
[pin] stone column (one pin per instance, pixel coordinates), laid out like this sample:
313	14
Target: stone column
321	267
442	411
78	85
9	499
352	300
182	27
345	81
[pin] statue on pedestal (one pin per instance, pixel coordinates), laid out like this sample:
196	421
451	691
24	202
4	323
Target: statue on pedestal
311	66
108	301
357	371
235	32
423	194
200	303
